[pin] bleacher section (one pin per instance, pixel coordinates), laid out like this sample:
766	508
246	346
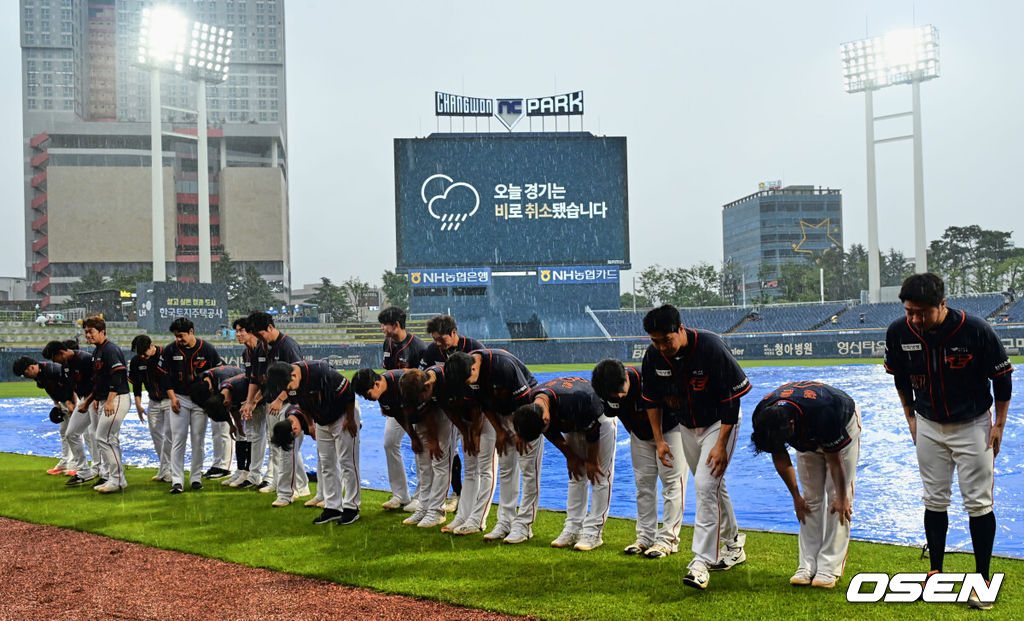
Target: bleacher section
796	318
878	315
629	324
983	305
1015	312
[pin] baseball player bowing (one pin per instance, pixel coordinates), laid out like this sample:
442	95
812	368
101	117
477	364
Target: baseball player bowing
947	365
693	374
569	406
620	389
823	424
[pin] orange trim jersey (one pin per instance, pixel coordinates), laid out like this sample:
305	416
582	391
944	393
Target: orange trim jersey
700	384
949	368
822	413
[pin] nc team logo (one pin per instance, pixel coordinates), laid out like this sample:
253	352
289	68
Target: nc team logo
451	202
510	111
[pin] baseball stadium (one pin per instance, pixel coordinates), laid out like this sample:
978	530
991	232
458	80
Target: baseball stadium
514	430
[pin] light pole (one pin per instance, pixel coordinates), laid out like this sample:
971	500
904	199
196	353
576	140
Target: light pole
168	41
908	56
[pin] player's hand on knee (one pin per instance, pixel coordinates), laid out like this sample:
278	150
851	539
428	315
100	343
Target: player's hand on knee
801	508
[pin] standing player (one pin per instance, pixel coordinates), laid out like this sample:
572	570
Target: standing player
384	389
329	399
693	373
447	340
79	367
495	383
947	365
51	377
402	350
823	424
568	405
620	389
181	363
253	410
280	348
142	372
110	394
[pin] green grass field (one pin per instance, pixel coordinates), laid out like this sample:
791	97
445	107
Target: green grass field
380	553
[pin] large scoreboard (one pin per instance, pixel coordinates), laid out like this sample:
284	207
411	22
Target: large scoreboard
518	200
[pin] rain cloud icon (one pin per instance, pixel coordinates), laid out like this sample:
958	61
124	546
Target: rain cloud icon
452	208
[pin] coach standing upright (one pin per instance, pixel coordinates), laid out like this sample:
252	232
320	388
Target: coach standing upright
943	361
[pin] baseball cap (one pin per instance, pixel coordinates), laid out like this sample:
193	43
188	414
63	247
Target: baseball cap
56	416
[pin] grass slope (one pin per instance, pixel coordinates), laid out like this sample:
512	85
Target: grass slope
380	553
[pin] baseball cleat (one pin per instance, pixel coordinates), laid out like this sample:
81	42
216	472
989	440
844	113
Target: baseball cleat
823	581
567	539
99	482
348	516
451	526
802	577
466	529
731	554
637	547
197	485
314	502
264	487
78	480
697	575
176	488
588	543
499	532
281	502
432	519
415	518
55	471
328	515
658	550
392	503
518	534
451	505
108	487
412	507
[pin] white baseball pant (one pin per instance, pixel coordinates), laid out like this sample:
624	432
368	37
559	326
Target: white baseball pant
714	518
963	447
577	519
478	480
647	469
823	540
188	424
158	418
393	434
338	453
434	475
108	439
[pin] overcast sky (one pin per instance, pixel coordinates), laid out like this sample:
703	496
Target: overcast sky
713	98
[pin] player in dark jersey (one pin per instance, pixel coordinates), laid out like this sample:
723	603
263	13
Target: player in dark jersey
495	383
254	413
569	406
446	341
50	376
287	436
80	431
429	391
434	428
329	399
383	388
279	348
948	366
402	349
224	406
823	424
109	401
621	391
692	372
142	373
181	363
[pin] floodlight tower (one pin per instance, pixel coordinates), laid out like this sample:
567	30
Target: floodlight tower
168	41
908	56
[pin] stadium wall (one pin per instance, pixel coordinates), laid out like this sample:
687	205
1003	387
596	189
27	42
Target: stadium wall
784	347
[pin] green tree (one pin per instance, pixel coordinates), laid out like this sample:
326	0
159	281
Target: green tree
626	301
254	293
396	289
332	299
357	290
90	281
128	282
700	285
225	272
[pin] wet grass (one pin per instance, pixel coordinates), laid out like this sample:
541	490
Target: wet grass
380	553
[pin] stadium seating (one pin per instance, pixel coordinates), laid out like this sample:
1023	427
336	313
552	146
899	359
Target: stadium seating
790	318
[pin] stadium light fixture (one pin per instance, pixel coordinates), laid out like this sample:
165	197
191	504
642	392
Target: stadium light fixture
169	41
908	56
